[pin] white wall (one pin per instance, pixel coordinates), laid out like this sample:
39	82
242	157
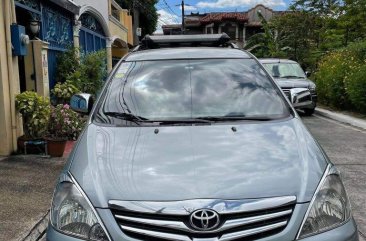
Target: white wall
100	5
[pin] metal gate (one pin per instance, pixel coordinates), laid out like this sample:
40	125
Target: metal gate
91	35
57	31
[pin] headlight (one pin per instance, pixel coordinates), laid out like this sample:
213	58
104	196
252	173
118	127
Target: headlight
72	214
330	207
312	88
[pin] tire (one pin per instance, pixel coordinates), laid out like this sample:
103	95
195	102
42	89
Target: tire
309	112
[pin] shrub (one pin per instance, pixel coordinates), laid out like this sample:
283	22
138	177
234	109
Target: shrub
35	111
356	88
340	78
86	73
330	79
65	124
67	63
93	72
64	91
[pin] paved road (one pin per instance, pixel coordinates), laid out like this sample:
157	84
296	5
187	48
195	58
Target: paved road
346	147
26	187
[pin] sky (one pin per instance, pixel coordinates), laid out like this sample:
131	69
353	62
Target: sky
170	11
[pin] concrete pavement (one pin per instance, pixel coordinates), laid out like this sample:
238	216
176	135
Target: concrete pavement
26	187
346	147
340	117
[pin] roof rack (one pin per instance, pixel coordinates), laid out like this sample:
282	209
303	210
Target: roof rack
198	40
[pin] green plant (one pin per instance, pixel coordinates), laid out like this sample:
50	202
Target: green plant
340	78
35	111
86	75
64	91
65	124
93	71
330	80
67	62
356	87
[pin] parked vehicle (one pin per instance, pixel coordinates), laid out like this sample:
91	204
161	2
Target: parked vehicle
196	143
289	75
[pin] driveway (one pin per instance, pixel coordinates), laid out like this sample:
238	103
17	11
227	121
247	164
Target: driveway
346	147
26	187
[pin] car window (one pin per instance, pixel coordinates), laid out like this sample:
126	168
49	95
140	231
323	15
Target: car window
285	70
181	89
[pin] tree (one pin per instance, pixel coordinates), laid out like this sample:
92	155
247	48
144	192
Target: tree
353	20
148	18
320	7
268	43
303	36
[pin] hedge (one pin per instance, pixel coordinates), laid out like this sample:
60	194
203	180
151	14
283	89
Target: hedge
341	78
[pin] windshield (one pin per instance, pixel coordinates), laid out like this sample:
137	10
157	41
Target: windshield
191	89
285	70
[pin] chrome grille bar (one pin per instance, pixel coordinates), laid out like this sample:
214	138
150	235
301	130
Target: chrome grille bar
249	232
232	223
160	235
159	223
187	206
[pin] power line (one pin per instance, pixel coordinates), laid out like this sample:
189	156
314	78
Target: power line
171	10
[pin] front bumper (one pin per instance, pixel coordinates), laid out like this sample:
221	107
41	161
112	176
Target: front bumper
346	232
314	99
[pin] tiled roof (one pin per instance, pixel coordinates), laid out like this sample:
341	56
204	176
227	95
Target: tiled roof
218	17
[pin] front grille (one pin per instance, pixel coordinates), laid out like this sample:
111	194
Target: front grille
251	225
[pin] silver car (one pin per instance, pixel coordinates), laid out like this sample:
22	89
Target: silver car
196	144
290	75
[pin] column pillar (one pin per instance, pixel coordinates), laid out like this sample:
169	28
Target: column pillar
237	32
76	31
244	35
109	53
42	83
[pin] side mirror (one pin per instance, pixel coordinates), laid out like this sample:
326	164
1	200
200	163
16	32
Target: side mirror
82	103
307	73
300	97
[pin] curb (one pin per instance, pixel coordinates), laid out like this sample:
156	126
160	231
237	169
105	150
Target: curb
353	121
38	230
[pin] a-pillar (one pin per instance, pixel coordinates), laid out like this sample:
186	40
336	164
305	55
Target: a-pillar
109	53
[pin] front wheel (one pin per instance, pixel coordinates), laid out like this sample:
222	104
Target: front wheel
309	112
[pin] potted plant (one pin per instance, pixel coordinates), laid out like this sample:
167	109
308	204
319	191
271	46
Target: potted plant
65	124
35	111
64	91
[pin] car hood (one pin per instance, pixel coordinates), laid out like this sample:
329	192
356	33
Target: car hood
260	159
293	83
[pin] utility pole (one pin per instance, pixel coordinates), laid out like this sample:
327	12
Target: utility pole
183	27
136	23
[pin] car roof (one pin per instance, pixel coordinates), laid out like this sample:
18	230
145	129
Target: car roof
187	53
276	60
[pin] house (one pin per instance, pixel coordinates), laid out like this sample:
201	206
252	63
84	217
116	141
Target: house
238	25
47	28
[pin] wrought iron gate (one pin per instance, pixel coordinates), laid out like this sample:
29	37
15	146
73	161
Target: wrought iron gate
91	35
57	31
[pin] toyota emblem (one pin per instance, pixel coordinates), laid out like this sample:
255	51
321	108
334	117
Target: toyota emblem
204	219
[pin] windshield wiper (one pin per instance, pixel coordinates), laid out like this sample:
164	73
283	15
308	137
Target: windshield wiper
180	121
235	118
136	119
292	76
126	116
